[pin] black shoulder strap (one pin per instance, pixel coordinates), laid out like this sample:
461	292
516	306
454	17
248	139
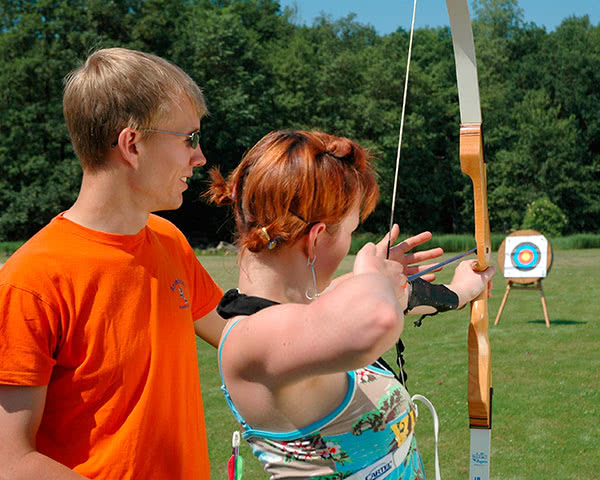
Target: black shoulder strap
235	303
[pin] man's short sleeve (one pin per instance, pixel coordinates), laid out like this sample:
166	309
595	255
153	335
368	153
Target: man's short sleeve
28	337
207	293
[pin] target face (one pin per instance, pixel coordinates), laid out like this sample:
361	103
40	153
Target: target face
526	256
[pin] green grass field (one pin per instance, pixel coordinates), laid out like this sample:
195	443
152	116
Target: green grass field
546	381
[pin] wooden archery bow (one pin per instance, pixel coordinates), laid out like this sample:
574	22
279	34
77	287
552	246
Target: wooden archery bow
473	164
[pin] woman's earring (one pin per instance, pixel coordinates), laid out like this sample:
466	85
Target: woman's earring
311	264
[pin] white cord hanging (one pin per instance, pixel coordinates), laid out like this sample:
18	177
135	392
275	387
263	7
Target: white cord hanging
436	429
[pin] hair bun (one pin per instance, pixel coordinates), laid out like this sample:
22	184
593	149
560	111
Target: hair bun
339	147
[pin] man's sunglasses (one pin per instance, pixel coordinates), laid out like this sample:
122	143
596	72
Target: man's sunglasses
194	137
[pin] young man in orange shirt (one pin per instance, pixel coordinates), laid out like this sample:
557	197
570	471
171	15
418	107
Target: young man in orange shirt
98	369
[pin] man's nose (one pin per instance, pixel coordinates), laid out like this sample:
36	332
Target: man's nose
198	159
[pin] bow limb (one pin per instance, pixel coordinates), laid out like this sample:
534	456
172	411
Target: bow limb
473	164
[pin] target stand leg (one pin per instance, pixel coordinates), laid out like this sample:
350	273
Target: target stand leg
508	285
544	307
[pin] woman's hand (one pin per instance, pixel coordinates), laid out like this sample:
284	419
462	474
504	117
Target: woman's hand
399	254
468	284
371	260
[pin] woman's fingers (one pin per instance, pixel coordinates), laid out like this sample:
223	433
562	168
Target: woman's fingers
382	245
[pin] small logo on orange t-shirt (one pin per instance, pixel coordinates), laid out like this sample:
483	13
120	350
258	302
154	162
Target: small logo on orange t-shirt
177	287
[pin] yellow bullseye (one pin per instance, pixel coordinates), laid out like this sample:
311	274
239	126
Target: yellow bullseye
525	257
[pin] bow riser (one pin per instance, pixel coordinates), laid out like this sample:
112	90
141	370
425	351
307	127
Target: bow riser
480	372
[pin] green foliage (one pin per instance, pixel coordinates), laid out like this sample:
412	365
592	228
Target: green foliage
544	216
576	242
8	248
260	71
541	162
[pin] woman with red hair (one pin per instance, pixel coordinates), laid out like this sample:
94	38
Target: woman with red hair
299	356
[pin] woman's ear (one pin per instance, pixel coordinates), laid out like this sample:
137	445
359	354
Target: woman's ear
313	237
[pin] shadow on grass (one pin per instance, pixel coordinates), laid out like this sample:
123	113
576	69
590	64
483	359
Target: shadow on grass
559	322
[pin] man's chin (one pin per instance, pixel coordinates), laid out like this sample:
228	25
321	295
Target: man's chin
169	207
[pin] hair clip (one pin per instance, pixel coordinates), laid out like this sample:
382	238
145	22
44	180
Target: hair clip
271	242
263	230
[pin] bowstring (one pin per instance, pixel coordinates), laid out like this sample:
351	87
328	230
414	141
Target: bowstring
389	245
410	41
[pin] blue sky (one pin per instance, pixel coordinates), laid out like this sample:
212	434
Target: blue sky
387	15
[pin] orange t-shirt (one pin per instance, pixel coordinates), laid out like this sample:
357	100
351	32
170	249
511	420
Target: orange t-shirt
106	321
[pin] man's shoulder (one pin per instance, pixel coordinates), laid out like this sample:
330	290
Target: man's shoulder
158	223
167	230
37	255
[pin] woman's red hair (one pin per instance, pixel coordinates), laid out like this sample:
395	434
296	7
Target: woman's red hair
292	179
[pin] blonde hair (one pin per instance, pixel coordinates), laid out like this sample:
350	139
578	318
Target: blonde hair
291	179
118	88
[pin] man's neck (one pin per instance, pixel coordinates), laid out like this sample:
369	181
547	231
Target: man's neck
105	206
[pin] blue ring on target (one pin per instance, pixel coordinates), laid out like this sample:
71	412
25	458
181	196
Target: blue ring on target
525	256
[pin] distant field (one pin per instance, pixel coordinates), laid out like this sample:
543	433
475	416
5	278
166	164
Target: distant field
546	381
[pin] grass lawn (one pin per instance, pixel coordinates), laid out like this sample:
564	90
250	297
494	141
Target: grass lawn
546	381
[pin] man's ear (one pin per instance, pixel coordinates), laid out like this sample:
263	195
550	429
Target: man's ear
128	148
313	237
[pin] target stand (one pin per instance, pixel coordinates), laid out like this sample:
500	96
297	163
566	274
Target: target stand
525	258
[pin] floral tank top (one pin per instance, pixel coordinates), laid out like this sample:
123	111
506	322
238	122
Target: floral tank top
369	436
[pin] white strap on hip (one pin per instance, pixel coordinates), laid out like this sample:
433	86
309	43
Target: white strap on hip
436	428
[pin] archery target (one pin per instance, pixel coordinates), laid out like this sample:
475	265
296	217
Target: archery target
526	256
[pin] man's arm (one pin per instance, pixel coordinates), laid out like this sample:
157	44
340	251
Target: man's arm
21	411
210	327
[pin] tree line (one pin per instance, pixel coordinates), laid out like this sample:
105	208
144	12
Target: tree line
262	70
